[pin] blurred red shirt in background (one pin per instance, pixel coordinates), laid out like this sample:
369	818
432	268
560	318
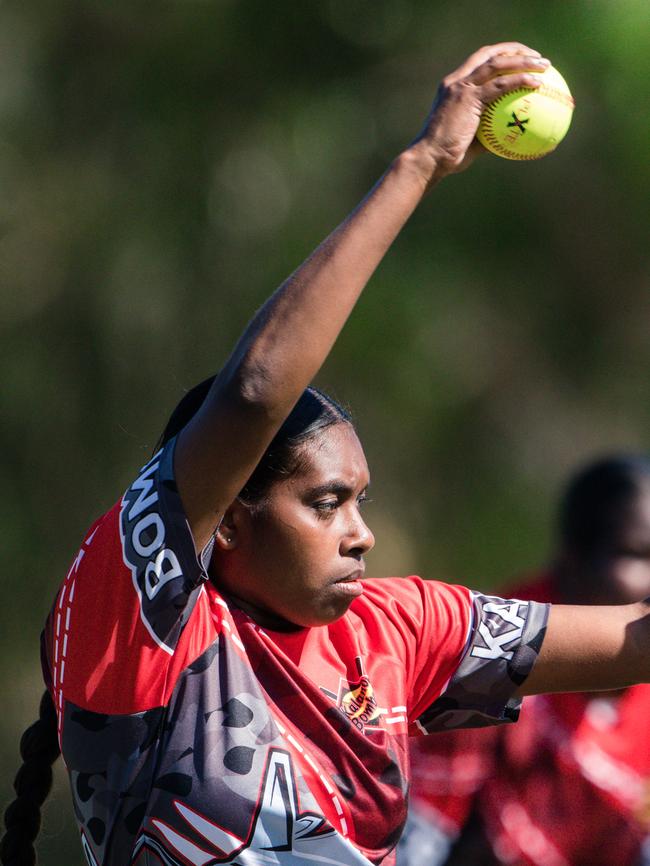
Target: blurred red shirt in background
568	785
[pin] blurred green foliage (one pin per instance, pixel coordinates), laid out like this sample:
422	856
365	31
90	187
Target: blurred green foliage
164	166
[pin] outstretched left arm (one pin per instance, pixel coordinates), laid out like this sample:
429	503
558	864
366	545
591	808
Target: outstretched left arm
592	649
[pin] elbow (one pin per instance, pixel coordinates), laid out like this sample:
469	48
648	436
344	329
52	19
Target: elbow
254	390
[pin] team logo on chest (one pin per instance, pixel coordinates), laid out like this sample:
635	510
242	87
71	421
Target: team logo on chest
356	699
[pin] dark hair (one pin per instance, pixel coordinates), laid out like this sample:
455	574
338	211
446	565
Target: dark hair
593	509
314	412
39	749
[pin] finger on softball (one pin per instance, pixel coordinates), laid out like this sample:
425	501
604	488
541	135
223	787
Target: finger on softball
488	51
505	83
503	64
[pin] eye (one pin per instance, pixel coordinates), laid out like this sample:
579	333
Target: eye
363	498
325	507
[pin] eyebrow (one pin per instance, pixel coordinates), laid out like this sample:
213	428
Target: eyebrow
339	488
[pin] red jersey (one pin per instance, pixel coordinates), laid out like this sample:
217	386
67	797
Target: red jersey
568	786
193	736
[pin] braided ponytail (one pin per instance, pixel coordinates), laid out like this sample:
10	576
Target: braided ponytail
39	749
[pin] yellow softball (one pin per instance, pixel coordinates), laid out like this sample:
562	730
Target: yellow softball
527	123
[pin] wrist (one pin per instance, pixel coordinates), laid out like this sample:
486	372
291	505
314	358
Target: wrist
423	162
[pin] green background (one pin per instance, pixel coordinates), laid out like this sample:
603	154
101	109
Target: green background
163	166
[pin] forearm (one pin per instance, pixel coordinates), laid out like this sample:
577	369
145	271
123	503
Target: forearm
290	337
292	334
593	649
285	344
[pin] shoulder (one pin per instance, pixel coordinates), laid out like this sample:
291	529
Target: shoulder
411	603
391	591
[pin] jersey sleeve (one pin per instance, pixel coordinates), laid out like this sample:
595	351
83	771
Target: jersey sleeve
158	550
503	642
118	632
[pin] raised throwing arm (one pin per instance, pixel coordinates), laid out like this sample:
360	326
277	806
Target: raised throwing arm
289	338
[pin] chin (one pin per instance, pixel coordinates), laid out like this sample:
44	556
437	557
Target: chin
306	616
331	613
316	618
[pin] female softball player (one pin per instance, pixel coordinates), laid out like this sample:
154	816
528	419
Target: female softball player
223	684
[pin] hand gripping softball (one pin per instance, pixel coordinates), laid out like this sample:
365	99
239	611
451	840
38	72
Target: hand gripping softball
526	123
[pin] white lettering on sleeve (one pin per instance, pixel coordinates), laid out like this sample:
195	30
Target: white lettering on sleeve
495	643
146	550
507	612
165	567
144	499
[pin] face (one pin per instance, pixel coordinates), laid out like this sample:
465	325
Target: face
299	561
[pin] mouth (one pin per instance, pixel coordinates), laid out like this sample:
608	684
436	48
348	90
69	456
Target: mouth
351	584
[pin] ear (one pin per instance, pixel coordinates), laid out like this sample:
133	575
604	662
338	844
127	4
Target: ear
228	534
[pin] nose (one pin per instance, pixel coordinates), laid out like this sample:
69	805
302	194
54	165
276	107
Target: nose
359	539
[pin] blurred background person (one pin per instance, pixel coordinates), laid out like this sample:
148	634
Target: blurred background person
569	785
